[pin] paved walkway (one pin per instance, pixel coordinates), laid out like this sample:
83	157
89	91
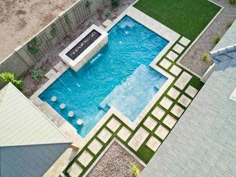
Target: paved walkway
193	59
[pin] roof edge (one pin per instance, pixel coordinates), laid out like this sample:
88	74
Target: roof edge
224	50
24	145
36	108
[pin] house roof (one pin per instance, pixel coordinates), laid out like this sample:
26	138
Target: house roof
224	53
228	39
29	142
22	123
203	141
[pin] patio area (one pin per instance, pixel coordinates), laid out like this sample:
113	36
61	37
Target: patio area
143	138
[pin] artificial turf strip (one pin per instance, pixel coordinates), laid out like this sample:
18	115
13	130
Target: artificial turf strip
186	17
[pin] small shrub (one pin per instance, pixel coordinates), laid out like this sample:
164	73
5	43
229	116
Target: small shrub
33	46
37	74
206	57
107	13
87	4
135	171
232	2
217	38
7	77
115	3
229	24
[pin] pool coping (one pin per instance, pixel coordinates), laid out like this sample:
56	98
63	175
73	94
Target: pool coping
149	23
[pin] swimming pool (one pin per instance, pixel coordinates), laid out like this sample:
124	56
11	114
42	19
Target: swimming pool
118	76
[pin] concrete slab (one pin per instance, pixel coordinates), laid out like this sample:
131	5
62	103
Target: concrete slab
178	48
85	158
113	124
161	132
150	123
95	146
183	80
104	135
173	93
165	63
158	113
153	143
60	67
177	110
166	103
172	56
191	91
184	100
124	133
107	22
75	170
175	70
50	74
138	139
169	121
184	41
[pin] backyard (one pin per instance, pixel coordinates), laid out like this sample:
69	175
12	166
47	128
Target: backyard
186	17
114	143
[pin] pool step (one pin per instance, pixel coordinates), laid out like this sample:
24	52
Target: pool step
104	107
160	83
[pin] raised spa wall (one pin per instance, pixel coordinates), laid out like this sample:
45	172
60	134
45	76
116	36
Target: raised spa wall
89	52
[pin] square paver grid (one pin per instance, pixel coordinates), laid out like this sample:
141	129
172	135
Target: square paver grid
95	146
172	56
153	143
173	93
169	121
150	123
177	110
175	70
138	139
75	170
161	132
165	63
124	133
104	135
166	103
183	80
113	124
184	41
158	113
191	91
184	100
178	48
85	158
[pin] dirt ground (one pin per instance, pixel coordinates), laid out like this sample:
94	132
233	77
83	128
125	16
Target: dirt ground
20	19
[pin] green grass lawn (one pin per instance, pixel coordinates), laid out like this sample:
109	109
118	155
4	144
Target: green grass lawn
186	17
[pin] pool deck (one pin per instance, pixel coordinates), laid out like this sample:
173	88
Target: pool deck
153	124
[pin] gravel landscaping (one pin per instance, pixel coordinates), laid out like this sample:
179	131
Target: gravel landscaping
193	59
115	162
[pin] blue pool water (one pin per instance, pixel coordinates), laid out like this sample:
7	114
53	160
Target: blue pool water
118	75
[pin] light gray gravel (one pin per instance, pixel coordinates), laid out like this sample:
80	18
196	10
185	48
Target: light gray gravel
114	163
193	59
